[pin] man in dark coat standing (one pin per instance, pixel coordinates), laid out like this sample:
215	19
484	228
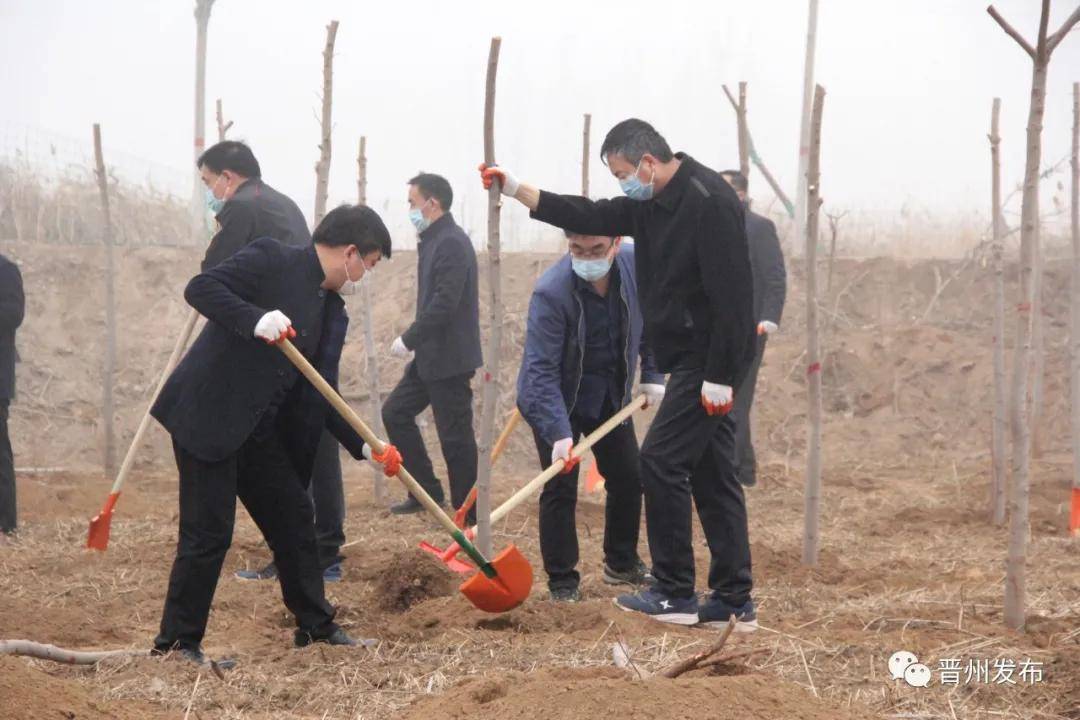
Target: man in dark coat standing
696	292
245	424
12	308
445	337
770	290
246	209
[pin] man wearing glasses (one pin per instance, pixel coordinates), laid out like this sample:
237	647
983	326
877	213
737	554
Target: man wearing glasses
582	344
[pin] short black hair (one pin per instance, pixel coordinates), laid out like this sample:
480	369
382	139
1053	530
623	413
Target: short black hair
737	180
230	155
356	225
633	138
435	186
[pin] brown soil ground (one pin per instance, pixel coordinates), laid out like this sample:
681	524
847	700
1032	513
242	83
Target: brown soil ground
907	561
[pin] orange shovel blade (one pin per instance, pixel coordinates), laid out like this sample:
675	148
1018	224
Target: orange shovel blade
1074	515
507	589
98	537
593	479
451	561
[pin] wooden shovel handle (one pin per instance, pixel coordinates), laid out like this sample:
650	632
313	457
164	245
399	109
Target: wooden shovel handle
364	431
577	451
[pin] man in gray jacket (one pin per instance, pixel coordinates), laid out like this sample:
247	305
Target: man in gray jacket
445	338
770	289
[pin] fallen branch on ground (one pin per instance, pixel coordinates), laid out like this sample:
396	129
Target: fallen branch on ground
694	661
43	651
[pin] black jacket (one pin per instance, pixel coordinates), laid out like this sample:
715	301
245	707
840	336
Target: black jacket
12	308
229	381
767	261
256	210
693	267
446	332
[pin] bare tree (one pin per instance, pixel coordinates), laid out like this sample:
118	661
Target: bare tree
110	309
198	204
322	167
1074	374
585	156
222	126
813	349
494	349
759	163
804	132
1000	421
367	296
744	133
1019	522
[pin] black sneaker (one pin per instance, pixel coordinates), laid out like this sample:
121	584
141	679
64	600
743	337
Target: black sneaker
637	576
411	505
715	613
566	594
196	656
302	638
267	572
658	606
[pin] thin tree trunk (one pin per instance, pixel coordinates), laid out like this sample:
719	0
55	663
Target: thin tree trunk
198	195
585	156
222	126
804	133
744	134
491	371
110	310
813	350
1074	374
322	167
1038	342
759	163
1000	420
367	296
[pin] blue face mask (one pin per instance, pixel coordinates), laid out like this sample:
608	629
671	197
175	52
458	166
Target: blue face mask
590	270
634	188
214	203
418	220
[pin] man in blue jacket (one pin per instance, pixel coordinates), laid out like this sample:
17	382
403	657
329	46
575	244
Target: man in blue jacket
582	343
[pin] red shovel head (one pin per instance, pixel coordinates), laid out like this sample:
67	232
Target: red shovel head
507	589
98	537
449	559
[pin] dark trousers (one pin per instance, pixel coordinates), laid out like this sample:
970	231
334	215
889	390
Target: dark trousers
745	461
687	454
328	495
261	475
7	474
617	459
451	403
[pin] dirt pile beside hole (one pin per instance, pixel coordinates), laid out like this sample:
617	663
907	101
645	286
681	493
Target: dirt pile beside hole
29	694
410	577
596	693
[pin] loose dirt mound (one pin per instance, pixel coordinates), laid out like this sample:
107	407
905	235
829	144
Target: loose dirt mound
410	577
602	693
29	694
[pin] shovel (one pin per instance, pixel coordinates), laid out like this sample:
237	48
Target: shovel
501	584
98	536
449	555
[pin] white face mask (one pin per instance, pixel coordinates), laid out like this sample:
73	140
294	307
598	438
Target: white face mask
350	286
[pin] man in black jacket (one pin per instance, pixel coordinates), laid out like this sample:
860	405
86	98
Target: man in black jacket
445	337
696	292
246	209
12	308
770	289
245	424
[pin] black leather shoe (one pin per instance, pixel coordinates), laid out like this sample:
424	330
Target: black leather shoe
411	505
302	638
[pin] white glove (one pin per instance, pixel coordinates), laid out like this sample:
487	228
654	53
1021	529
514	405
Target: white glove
398	349
767	327
654	393
561	450
366	451
273	326
717	399
508	184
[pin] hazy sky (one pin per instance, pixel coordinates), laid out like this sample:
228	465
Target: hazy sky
909	88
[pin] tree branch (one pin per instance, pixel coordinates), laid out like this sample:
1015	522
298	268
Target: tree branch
1009	30
1066	27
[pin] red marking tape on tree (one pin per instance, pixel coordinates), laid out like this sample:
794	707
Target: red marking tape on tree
814	367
